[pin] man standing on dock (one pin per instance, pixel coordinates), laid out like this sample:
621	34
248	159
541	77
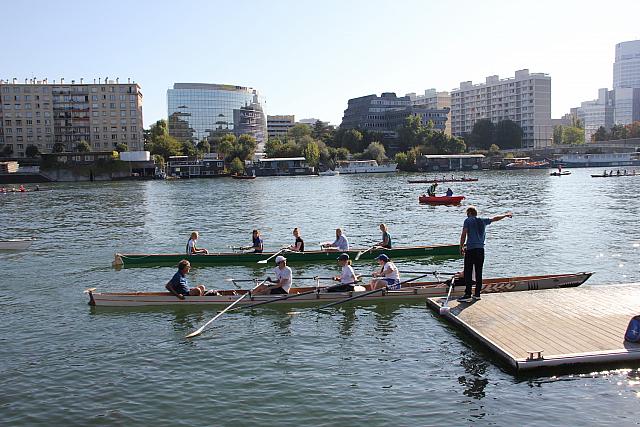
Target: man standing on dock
473	233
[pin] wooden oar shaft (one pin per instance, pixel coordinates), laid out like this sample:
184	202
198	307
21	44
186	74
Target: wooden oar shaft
276	300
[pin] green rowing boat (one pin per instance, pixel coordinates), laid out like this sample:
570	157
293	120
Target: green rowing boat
233	258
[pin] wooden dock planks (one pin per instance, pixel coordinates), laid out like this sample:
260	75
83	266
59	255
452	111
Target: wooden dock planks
577	325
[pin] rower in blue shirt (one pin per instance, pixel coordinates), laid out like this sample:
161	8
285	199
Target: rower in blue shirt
258	244
340	244
179	285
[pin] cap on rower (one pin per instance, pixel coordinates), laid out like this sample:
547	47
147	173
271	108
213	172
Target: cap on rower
343	257
280	259
382	257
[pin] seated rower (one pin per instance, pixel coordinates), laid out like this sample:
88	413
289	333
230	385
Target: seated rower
258	243
22	189
389	274
298	245
449	192
179	285
386	238
347	277
192	249
282	282
340	244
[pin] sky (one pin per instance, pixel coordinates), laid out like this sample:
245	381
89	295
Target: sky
309	57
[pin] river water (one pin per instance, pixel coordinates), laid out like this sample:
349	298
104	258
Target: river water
62	363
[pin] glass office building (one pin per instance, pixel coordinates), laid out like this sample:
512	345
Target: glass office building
197	111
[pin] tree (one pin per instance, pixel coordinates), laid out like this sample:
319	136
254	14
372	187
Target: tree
494	150
572	135
188	149
375	151
619	132
411	133
352	140
120	147
32	151
600	135
321	130
159	161
83	146
245	147
312	153
507	134
482	135
7	150
237	166
342	153
557	134
58	147
224	145
158	129
204	147
300	130
634	130
166	146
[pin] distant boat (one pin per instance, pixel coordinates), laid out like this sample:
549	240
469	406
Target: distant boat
560	173
243	176
524	164
436	180
365	166
440	200
329	172
15	244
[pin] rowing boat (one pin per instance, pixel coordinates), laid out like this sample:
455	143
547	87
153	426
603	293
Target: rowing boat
15	244
409	291
437	181
614	175
233	258
440	200
560	173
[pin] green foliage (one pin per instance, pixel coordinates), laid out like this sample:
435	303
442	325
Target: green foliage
237	166
58	147
312	153
557	134
600	135
507	134
165	146
188	149
494	150
375	151
572	135
7	150
483	134
244	148
407	161
412	133
351	139
342	153
619	132
83	147
300	130
120	147
159	161
322	131
204	147
32	151
158	129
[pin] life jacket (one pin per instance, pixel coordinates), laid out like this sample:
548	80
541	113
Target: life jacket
633	330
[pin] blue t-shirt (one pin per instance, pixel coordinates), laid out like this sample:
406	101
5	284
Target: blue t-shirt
257	244
180	284
476	231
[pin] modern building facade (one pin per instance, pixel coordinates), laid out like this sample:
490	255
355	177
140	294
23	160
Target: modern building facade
278	126
598	112
41	114
200	111
385	113
524	99
433	100
626	82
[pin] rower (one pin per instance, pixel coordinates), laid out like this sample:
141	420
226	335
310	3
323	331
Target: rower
389	274
449	192
386	238
258	243
432	189
192	249
282	282
298	246
347	277
22	189
179	285
340	244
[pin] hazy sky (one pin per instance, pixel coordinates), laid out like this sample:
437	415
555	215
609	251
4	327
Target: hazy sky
309	57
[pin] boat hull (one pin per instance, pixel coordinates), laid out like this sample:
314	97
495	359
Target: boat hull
440	200
559	173
152	260
410	291
437	181
15	244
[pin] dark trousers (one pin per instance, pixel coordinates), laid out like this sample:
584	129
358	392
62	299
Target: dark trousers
473	259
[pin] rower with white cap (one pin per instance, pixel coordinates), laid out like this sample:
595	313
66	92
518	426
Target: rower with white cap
282	283
389	276
347	278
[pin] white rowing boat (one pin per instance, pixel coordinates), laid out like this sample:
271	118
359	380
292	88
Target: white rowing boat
410	291
15	244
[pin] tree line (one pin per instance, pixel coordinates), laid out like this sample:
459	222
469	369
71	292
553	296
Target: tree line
617	132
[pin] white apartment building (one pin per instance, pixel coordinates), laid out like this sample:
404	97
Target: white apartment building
39	113
596	113
433	100
278	126
626	82
524	99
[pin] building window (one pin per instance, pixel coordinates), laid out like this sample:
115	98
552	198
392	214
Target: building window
114	136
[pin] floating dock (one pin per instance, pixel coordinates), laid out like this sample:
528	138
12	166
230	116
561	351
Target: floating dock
549	328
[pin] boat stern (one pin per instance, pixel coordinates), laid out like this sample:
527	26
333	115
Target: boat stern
92	302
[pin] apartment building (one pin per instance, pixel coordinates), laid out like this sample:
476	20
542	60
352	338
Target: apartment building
41	114
278	126
524	99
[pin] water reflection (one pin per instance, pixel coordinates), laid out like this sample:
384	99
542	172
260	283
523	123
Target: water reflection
474	383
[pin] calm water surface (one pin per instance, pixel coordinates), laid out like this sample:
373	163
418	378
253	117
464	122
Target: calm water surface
63	364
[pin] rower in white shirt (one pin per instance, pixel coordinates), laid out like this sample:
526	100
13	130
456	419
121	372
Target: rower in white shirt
282	282
389	276
347	276
340	244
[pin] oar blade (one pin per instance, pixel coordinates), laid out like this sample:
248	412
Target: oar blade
262	261
358	255
194	333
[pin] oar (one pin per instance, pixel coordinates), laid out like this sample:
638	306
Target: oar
199	331
360	253
368	293
426	273
276	299
445	307
264	261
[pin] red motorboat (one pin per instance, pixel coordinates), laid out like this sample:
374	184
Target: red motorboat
440	200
